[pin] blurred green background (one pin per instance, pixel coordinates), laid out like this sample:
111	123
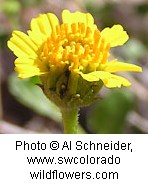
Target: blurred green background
24	108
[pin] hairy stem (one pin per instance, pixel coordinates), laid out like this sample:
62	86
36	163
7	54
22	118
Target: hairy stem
70	120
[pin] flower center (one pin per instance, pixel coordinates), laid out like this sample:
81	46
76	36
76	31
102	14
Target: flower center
77	46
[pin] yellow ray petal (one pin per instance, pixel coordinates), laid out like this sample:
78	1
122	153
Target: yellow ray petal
115	36
117	81
53	20
109	80
18	51
70	18
78	17
43	26
95	76
36	37
36	63
36	27
115	66
28	68
27	61
26	71
22	45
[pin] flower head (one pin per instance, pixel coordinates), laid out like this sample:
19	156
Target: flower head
70	53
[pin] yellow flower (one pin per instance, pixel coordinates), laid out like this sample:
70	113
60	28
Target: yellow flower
76	46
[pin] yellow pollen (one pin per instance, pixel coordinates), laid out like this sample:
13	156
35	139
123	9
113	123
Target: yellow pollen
81	27
88	32
102	45
76	46
74	28
58	29
97	35
86	52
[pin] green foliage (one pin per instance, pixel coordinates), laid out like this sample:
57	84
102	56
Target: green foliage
30	95
108	116
11	7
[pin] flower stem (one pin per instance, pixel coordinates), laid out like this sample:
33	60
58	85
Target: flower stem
70	120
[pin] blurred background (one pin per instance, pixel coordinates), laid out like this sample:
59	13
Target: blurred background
24	108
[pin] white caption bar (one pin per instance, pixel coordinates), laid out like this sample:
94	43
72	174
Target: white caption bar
78	161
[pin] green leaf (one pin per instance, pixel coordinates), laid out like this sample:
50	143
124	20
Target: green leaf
30	95
109	115
11	7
